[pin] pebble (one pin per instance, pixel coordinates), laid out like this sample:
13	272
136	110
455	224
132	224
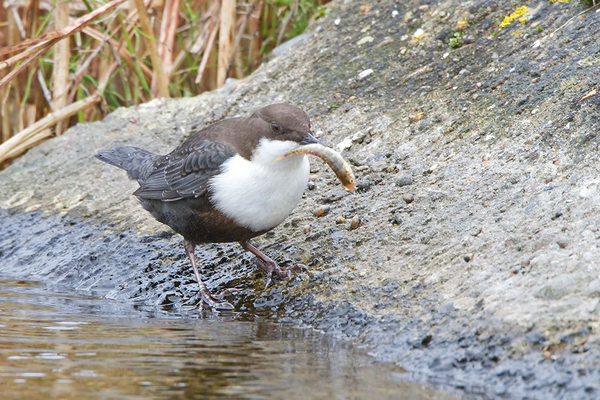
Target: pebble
525	262
562	243
468	257
323	211
548	179
408	198
310	185
522	100
475	231
306	230
365	73
340	220
355	222
557	215
359	137
403	180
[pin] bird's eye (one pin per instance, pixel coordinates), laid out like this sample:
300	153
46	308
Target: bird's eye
275	127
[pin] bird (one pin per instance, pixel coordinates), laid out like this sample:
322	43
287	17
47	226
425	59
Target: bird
232	181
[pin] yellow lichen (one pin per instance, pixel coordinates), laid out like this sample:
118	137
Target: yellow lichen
560	1
519	12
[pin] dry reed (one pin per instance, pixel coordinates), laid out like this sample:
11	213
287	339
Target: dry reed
68	62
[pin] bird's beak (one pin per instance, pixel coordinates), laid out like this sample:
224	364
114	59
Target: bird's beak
311	139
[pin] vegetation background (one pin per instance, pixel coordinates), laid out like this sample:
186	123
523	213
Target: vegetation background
63	62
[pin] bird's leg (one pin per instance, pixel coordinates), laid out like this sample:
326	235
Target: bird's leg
204	292
269	266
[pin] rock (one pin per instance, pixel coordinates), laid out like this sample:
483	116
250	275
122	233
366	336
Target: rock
403	180
408	198
340	220
468	257
322	211
475	231
310	185
359	137
344	144
522	100
562	243
365	73
355	222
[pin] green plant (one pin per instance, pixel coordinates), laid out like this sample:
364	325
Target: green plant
455	39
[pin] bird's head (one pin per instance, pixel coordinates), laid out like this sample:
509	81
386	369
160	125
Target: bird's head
285	122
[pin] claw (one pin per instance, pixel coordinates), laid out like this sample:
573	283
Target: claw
207	298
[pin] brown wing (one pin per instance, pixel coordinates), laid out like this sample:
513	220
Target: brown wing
185	172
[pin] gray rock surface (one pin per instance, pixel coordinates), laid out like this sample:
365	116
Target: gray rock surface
486	281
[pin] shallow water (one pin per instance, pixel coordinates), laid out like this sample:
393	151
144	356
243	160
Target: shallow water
67	346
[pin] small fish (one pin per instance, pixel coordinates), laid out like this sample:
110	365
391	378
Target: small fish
331	157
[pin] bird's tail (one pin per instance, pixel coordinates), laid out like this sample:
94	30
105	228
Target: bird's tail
138	163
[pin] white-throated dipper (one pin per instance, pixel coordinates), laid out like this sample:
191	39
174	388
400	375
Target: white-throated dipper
230	182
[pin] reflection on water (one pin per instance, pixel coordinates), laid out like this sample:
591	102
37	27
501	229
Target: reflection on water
70	347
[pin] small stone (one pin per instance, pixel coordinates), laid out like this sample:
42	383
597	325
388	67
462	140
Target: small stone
310	185
145	383
355	222
408	198
306	230
323	211
344	144
557	215
359	137
522	100
525	262
562	243
365	73
546	354
403	180
340	220
366	39
475	231
468	257
495	56
548	179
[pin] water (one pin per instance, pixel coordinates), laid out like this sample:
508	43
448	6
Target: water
66	346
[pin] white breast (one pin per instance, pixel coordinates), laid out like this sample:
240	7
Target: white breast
261	193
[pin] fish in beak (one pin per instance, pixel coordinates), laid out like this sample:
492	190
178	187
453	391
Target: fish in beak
331	157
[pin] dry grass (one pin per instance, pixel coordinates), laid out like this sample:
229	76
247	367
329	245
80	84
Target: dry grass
66	62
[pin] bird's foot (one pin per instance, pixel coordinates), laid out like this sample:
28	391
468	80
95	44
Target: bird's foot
226	292
272	268
212	300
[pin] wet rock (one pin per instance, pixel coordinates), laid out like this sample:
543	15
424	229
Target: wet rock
403	180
